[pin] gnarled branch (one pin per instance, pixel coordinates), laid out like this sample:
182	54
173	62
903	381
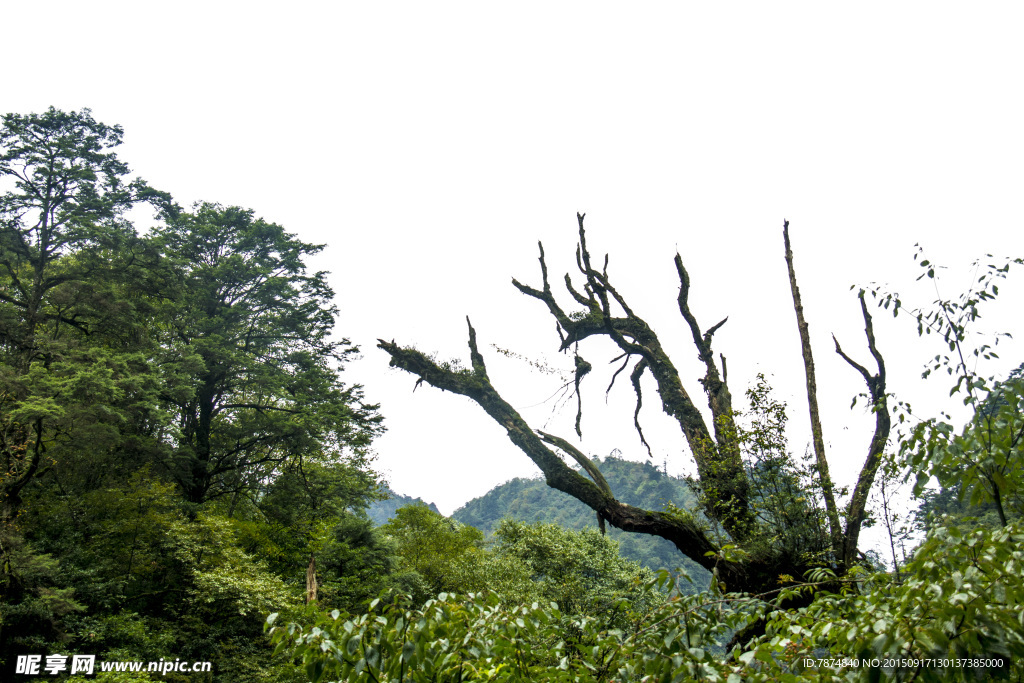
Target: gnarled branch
687	536
634	377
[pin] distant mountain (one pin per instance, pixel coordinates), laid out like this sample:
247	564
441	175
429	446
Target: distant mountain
383	510
636	483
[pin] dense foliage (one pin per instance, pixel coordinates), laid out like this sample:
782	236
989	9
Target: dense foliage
955	617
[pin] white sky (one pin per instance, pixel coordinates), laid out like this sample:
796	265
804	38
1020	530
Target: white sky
430	145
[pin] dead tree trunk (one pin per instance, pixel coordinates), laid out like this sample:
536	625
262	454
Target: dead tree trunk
722	474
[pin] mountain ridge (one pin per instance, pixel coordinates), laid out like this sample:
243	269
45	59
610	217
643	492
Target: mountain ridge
640	484
380	511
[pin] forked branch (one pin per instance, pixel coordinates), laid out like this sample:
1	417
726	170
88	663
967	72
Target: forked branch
883	423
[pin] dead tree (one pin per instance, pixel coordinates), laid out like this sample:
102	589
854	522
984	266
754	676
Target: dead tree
722	475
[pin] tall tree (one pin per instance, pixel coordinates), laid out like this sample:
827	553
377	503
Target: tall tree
728	492
251	331
65	248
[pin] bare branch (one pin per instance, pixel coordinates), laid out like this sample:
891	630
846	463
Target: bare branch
702	342
857	366
831	510
580	299
586	463
615	331
543	267
869	330
569	331
720	402
625	362
546	296
710	333
583	245
582	368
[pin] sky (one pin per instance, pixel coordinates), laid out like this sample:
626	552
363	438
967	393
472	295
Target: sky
431	146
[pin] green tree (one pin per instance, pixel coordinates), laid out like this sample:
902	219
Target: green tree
61	225
251	330
580	571
148	581
196	360
635	483
359	563
950	504
380	511
449	556
782	498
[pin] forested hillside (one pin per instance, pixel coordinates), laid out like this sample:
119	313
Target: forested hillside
635	483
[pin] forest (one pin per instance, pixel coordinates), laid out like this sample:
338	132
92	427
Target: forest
187	475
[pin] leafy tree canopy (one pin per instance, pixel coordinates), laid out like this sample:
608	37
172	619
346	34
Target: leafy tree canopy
251	330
